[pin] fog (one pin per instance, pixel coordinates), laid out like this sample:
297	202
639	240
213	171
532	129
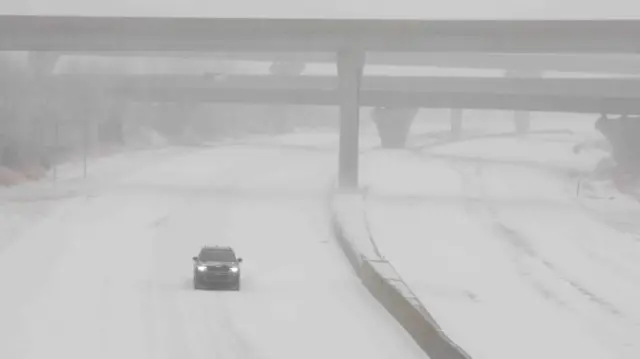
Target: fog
490	210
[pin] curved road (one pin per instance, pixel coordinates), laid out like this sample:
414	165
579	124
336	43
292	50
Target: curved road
108	274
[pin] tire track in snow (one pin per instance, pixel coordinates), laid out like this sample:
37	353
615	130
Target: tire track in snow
546	278
477	206
174	303
621	269
577	188
526	260
242	347
520	243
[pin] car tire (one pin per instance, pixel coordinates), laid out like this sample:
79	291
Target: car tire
196	285
237	287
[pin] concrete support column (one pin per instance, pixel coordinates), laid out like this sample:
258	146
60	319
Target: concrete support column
394	124
456	122
350	65
522	119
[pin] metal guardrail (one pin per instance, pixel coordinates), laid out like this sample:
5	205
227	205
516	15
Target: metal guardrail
397	298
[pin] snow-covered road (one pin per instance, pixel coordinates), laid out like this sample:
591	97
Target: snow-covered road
106	272
490	237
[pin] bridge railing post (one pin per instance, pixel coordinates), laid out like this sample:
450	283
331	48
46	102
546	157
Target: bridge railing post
350	64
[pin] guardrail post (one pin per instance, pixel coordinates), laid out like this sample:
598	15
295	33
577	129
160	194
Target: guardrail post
350	63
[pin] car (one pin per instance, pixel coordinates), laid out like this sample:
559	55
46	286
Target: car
216	266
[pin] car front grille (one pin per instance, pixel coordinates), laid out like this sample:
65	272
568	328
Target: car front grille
217	270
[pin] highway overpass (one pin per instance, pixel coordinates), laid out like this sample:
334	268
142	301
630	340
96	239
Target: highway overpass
65	33
584	63
587	95
350	40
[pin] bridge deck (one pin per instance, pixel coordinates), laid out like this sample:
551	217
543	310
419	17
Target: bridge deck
197	34
568	87
345	9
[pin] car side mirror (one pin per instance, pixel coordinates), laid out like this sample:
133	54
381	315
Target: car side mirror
239	260
195	259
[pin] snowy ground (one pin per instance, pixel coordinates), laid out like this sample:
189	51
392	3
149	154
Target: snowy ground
101	268
489	233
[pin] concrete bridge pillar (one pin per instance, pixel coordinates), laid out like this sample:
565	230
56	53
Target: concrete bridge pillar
522	119
393	125
172	119
350	65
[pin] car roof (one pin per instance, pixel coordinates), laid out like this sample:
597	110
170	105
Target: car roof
216	248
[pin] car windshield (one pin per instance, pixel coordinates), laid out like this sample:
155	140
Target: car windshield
217	256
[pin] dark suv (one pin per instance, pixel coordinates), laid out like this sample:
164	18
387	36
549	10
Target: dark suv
216	266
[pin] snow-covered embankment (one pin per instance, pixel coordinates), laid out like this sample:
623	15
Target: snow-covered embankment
382	280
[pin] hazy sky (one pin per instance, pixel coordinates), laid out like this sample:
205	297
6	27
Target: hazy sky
424	9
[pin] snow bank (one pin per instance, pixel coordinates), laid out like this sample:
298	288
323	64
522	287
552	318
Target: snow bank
383	281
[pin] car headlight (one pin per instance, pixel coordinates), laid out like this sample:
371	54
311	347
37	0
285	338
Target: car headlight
234	269
202	268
